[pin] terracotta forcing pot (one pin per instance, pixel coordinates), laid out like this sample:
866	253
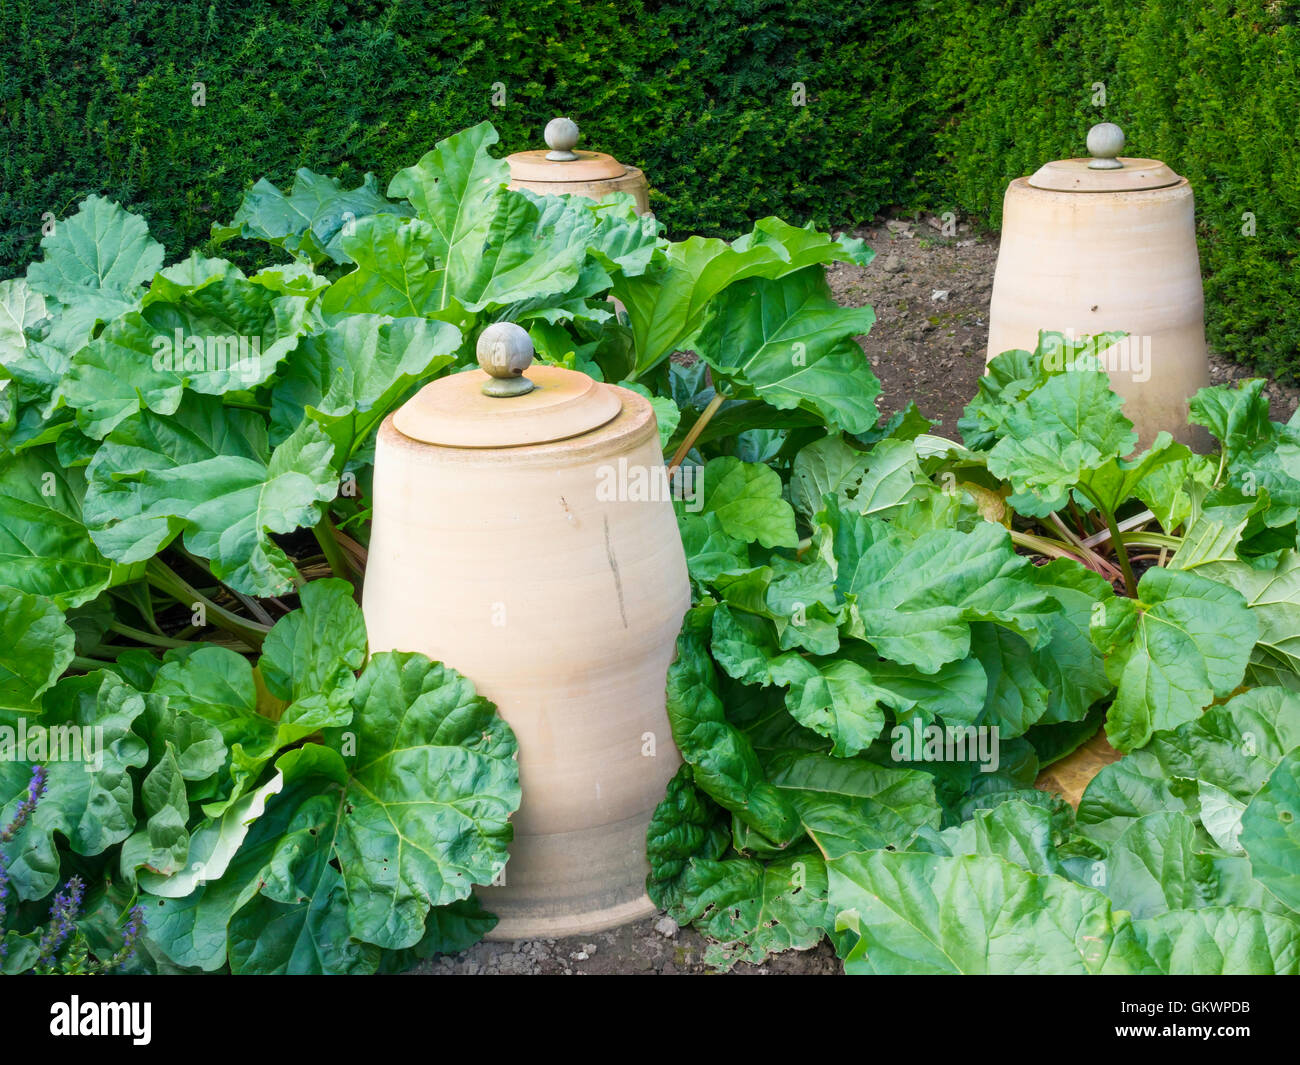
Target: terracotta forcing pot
1108	243
503	546
561	170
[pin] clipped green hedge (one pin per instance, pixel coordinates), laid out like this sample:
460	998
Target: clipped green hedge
1212	87
96	97
936	103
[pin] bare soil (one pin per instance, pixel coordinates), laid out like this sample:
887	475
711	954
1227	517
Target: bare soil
931	297
653	947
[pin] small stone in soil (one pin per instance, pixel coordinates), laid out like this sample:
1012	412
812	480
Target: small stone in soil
666	926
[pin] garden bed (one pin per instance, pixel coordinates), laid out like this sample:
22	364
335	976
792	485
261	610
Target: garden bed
932	350
923	349
868	598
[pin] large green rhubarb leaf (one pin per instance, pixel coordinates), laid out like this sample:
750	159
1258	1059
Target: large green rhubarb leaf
33	367
1116	481
45	547
799	598
1233	748
790	344
1271	587
88	799
307	222
836	698
1238	417
725	765
455	189
1159	864
393	274
36	646
519	259
1011	376
406	809
431	786
668	302
93	271
225	334
349	377
755	908
206	471
847	804
1270	831
21	307
308	668
875	483
915	600
101	249
315	651
1222	940
1184	641
685	825
1015	831
1071	424
923	913
746	497
1069	663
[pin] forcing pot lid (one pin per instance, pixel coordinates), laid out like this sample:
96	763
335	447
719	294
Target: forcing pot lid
1106	170
497	406
561	162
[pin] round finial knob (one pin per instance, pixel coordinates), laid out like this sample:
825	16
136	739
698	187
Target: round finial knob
1105	142
561	135
505	351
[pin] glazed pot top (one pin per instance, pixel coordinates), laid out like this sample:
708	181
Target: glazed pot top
1106	170
561	162
454	411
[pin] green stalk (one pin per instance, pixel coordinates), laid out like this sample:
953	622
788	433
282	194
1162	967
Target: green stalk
1152	539
140	636
1043	545
703	420
89	664
324	533
1078	544
168	581
1121	552
1079	520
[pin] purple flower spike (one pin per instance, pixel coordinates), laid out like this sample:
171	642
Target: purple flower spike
35	789
131	933
63	920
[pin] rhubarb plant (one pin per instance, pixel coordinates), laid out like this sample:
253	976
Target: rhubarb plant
185	468
891	633
871	608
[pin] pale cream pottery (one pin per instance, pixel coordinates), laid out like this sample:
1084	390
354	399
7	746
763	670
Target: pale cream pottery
565	171
496	550
1085	251
594	175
